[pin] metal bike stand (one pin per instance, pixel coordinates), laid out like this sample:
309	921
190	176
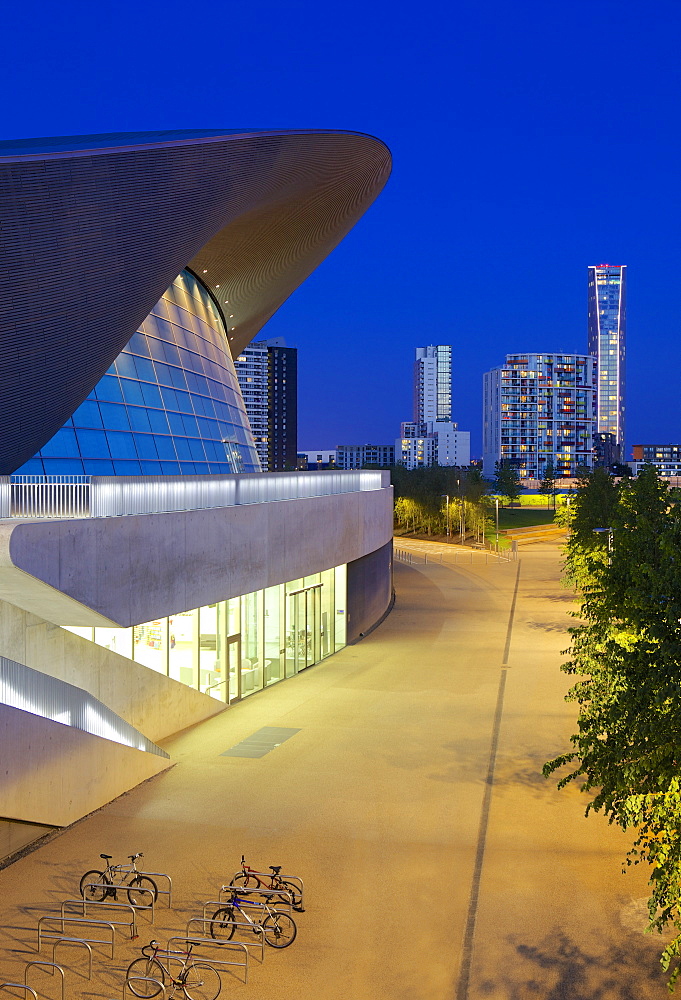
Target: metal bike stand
116	888
212	943
75	920
70	940
162	892
84	903
143	979
20	986
48	965
278	893
282	875
238	924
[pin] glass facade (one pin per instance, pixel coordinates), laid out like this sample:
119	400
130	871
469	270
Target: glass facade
169	405
540	411
236	647
607	344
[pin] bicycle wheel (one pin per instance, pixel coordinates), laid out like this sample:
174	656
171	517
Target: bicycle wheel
245	881
280	929
220	926
142	891
89	890
201	982
140	970
296	896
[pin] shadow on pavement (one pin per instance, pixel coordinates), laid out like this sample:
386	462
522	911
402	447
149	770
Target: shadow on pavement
560	969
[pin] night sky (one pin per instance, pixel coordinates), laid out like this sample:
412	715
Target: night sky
529	141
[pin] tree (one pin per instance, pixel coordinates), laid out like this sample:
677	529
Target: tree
548	484
626	655
507	481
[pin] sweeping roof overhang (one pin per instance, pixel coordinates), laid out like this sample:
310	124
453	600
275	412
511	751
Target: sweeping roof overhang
93	229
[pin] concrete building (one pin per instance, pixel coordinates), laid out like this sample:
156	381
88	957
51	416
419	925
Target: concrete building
665	457
268	375
540	409
147	580
607	345
357	456
431	438
317	459
432	443
433	384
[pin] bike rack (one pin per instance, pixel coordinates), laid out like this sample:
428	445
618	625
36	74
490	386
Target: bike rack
69	940
143	979
20	986
254	892
84	903
162	892
123	888
282	875
49	965
75	920
212	943
243	924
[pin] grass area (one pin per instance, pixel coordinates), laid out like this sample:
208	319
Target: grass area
523	517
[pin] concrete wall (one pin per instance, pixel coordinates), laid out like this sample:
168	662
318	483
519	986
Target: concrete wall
153	703
370	587
15	835
126	570
54	774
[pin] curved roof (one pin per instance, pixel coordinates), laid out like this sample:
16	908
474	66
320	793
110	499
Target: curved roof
95	228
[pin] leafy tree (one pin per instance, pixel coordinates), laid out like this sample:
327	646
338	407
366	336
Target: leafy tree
548	484
626	655
507	481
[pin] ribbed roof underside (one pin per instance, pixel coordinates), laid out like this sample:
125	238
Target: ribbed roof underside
93	229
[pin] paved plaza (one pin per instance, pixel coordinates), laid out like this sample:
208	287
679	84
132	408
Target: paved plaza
438	862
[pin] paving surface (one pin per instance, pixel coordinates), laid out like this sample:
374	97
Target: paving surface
439	864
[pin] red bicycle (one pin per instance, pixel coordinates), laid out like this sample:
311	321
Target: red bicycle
249	878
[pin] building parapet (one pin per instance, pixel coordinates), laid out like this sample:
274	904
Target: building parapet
114	496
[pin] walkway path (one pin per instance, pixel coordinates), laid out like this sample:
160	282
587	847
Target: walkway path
439	863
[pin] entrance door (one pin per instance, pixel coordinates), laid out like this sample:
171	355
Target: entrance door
304	629
233	666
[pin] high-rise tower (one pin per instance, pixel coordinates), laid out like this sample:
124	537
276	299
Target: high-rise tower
268	375
433	383
607	345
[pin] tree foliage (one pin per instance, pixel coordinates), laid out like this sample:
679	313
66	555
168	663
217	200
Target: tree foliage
434	498
626	658
507	481
548	484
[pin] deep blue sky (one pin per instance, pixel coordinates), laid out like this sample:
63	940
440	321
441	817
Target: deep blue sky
530	139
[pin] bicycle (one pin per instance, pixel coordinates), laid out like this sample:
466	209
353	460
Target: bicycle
96	885
146	976
279	928
249	878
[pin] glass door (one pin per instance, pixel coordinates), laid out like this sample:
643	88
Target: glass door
233	644
304	629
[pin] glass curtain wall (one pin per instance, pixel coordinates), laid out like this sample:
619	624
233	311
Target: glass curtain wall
233	648
169	405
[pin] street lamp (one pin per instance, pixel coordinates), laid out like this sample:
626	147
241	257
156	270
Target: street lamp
449	529
599	531
496	501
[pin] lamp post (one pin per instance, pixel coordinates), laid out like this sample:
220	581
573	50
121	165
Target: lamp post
496	501
599	531
449	529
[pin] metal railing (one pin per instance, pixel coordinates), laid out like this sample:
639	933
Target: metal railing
47	965
51	918
44	496
23	496
51	698
223	946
